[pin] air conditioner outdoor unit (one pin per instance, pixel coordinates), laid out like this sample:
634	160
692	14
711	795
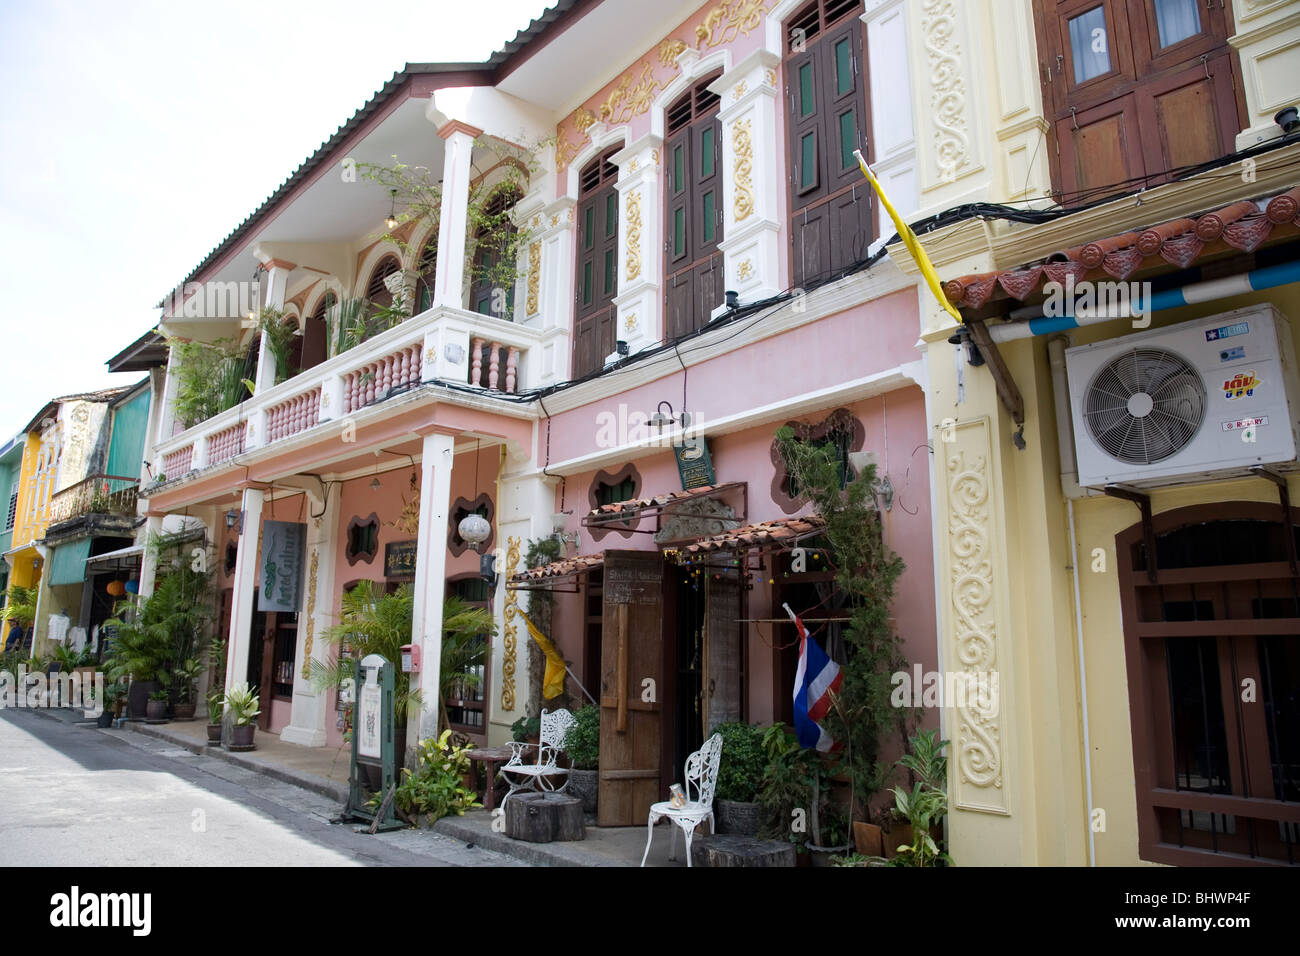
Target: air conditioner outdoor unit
1196	401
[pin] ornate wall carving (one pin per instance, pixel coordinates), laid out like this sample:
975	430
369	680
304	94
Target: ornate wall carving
534	276
973	649
947	87
310	639
743	148
633	212
510	631
728	20
630	97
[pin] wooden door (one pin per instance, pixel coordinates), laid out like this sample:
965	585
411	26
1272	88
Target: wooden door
261	664
722	652
630	708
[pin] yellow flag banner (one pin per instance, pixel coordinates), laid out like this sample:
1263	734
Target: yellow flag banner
553	679
912	243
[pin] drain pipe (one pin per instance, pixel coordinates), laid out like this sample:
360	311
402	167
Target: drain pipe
1069	483
1038	324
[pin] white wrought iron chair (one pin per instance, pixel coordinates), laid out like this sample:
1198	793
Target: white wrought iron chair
539	776
701	780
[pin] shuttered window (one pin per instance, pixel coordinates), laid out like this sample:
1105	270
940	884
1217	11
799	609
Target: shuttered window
693	266
826	104
1133	90
492	289
597	265
376	291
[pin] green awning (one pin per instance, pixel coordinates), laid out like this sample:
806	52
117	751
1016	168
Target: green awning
68	565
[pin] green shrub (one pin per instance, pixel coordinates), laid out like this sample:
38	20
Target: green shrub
743	761
526	727
436	788
582	743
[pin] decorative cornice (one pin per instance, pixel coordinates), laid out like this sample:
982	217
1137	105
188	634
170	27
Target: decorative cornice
456	126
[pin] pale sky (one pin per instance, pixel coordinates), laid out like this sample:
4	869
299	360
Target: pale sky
135	135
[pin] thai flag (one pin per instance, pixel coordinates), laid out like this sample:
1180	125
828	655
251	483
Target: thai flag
815	679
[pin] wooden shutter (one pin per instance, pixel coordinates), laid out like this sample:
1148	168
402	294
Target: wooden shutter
631	652
831	213
693	267
376	291
490	246
1125	107
723	684
597	265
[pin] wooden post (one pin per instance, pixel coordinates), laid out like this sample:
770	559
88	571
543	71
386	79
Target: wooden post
621	719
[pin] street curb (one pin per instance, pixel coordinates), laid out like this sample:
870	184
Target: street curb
537	854
319	785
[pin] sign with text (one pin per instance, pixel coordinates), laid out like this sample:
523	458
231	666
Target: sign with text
399	560
284	546
694	464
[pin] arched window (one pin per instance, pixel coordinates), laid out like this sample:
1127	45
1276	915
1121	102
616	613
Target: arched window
825	79
315	333
493	263
295	345
376	291
427	268
593	328
693	273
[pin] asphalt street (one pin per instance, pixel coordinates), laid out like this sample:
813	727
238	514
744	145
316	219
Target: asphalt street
71	795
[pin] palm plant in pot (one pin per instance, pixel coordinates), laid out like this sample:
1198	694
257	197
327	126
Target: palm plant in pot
739	776
216	704
582	746
156	709
185	684
241	703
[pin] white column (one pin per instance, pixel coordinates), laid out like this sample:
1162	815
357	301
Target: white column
307	718
437	458
893	139
751	223
167	418
149	559
545	299
449	280
241	609
640	249
277	279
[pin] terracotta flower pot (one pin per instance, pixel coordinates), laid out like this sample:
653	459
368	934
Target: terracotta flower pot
183	711
214	734
155	711
241	737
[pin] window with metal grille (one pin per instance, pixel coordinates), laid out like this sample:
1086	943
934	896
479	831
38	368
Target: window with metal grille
826	101
467	696
693	266
597	265
1212	641
13	512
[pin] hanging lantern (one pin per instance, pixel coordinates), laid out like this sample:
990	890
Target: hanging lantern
132	586
116	588
474	528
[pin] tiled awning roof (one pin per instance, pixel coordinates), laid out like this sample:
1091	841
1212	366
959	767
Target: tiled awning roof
763	534
635	507
558	569
1243	225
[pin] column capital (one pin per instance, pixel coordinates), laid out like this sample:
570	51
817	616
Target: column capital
451	127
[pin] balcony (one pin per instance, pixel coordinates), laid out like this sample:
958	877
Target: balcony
481	353
96	495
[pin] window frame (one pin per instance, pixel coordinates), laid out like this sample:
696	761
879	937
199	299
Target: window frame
594	334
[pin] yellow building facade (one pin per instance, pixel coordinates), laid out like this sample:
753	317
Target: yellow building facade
1051	775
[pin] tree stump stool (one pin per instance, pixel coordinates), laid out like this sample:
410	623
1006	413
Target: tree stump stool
733	849
544	817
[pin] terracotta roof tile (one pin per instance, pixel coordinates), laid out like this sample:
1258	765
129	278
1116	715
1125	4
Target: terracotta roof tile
1242	225
776	532
558	569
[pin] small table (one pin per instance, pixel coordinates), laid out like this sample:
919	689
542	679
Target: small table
491	758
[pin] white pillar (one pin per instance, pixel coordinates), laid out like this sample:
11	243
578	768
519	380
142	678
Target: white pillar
640	251
307	718
241	607
449	281
751	220
436	463
149	559
277	279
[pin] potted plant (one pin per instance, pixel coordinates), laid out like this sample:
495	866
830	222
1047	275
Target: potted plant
112	703
185	681
924	807
156	709
527	730
242	702
786	788
582	745
736	798
215	706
